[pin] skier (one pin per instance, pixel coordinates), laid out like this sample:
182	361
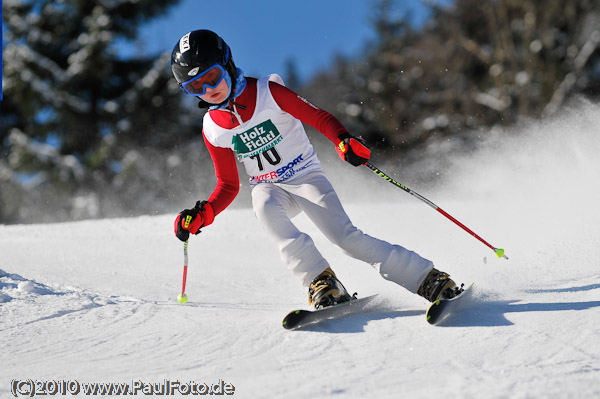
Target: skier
259	122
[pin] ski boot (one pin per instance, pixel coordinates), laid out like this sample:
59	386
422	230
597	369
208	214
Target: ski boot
326	290
438	285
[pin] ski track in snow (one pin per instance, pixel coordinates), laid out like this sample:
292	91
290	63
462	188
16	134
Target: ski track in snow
94	301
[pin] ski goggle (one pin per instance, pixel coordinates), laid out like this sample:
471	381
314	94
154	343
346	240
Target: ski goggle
211	77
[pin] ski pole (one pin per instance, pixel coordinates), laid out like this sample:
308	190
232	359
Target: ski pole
182	298
498	251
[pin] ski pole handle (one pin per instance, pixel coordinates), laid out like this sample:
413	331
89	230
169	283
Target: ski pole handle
498	251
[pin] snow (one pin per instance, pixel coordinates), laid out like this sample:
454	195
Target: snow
95	301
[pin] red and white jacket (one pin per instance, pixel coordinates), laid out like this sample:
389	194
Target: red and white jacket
262	128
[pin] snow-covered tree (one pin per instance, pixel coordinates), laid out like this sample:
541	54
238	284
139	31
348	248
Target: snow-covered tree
471	66
74	107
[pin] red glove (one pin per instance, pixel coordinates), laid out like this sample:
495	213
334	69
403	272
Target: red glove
192	220
352	150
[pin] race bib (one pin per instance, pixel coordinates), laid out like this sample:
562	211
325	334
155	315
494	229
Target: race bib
256	140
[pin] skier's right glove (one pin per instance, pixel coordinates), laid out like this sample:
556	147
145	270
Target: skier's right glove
192	220
353	150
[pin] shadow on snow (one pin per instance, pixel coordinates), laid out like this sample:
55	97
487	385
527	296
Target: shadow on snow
493	313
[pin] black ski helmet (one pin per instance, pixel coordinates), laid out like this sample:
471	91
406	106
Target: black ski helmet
201	49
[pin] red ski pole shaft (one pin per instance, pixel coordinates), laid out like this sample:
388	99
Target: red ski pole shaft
182	298
498	251
185	267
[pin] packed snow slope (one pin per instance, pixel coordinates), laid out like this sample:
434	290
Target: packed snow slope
95	301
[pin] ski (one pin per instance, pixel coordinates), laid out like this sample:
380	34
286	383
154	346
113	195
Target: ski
302	317
442	308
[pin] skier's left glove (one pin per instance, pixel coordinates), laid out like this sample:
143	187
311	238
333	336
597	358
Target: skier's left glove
353	150
192	220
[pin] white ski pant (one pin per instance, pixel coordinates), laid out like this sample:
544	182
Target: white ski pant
276	203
